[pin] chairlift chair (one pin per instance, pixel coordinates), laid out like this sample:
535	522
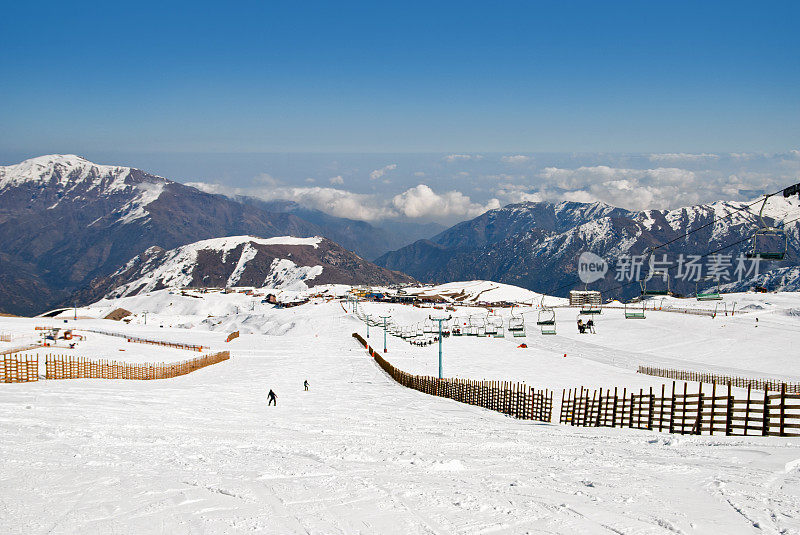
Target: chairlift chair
549	329
458	327
516	325
547	316
491	326
480	328
501	330
768	242
656	291
711	294
633	314
470	329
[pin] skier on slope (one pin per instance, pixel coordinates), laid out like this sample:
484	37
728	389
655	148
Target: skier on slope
273	399
305	384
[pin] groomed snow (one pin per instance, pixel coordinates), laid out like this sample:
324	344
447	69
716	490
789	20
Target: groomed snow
203	453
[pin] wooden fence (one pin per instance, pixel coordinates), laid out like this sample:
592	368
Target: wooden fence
5	337
761	413
234	335
741	382
139	340
69	367
514	399
19	368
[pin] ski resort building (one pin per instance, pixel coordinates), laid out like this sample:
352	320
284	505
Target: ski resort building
578	298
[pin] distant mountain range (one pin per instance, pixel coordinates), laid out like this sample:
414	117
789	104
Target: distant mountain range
536	245
74	231
65	221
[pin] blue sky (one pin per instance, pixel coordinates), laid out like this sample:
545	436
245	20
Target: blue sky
228	93
403	77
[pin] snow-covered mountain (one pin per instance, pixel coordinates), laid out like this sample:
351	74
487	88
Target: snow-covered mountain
65	221
537	245
282	262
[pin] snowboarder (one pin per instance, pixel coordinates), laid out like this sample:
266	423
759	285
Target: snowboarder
590	326
273	399
581	326
305	384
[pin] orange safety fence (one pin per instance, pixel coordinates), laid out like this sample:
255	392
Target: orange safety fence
19	368
69	367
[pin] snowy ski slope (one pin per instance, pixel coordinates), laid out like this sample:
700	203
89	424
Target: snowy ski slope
203	453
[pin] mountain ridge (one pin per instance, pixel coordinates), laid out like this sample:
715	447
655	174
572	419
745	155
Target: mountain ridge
65	221
536	245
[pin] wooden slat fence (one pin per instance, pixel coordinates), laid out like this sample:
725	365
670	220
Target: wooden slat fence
5	337
139	340
714	410
69	367
737	381
511	398
19	368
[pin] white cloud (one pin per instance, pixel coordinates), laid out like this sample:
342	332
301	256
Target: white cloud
337	202
518	158
337	180
378	173
635	189
462	157
510	193
419	202
216	189
422	202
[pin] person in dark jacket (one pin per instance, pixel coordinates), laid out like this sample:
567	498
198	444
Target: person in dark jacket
305	384
273	399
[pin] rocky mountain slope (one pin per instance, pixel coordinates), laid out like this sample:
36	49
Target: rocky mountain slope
65	221
280	262
537	245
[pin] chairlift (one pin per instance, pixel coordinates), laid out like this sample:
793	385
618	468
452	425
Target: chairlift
501	330
446	327
634	314
428	327
589	308
498	326
768	242
709	294
547	321
547	316
458	327
549	329
656	290
480	327
491	326
470	329
516	324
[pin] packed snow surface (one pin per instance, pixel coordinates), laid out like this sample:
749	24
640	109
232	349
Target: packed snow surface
358	453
